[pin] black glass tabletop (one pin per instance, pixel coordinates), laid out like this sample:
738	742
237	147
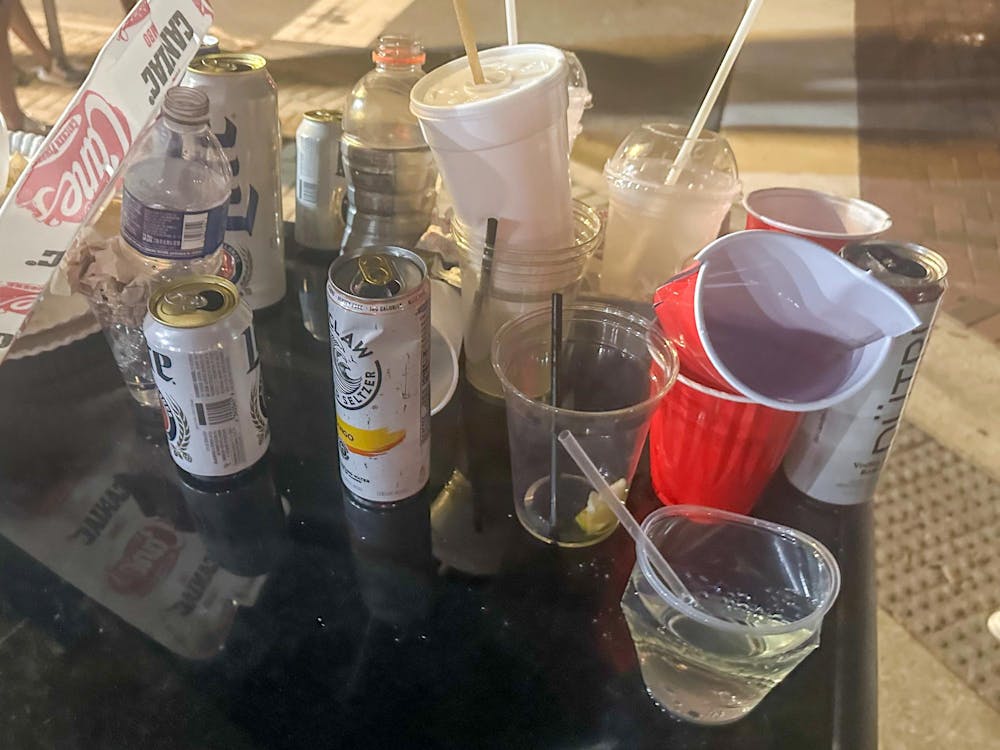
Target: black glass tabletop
142	608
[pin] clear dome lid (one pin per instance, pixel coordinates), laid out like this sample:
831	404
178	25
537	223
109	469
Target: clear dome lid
644	159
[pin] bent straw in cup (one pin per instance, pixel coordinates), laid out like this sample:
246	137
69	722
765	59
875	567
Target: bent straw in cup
763	590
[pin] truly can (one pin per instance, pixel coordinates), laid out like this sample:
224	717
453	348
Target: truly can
319	180
837	454
207	369
379	306
244	116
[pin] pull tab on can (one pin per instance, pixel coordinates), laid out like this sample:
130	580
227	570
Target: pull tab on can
377	278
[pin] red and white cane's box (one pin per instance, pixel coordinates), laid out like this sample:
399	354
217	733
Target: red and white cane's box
77	165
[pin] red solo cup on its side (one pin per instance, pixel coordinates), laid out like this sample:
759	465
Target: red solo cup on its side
829	220
674	304
717	449
780	320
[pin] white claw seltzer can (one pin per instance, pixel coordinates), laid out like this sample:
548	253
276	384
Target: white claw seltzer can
837	454
379	306
207	369
244	116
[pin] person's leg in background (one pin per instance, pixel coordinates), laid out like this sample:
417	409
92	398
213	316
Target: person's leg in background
12	113
49	69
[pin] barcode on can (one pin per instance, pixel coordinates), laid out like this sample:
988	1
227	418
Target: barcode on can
216	412
193	236
307	192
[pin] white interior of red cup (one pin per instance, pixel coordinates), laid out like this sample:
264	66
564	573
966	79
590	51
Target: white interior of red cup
791	325
817	214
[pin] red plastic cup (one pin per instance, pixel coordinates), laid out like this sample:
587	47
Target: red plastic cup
829	220
716	449
674	304
780	320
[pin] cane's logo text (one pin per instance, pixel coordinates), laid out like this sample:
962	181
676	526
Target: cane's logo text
78	163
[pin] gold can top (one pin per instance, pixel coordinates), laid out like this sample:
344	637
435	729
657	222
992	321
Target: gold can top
324	115
194	302
228	63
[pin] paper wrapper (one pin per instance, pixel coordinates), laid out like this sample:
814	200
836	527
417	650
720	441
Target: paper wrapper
82	156
107	272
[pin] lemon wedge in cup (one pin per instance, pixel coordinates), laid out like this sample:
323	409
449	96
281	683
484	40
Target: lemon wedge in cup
597	516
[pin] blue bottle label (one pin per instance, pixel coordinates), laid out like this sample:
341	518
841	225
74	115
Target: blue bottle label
171	234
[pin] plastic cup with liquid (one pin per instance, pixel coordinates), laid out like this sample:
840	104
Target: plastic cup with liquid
653	228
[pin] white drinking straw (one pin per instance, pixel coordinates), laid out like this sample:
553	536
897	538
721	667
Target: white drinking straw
725	67
511	6
608	495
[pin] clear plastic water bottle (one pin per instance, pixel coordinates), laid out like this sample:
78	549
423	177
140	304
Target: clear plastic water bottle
389	169
177	185
175	202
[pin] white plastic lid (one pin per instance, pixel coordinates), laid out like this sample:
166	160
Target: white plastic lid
448	91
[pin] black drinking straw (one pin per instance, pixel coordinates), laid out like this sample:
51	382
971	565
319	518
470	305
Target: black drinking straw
486	272
554	401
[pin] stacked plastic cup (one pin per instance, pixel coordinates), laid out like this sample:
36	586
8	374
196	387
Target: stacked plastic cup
520	282
767	325
502	150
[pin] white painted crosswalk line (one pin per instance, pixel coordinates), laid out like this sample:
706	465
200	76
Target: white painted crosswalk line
342	23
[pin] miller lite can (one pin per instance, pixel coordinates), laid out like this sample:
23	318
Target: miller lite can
319	181
379	307
207	369
244	116
837	454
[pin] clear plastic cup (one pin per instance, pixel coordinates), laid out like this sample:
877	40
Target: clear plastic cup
520	282
123	331
615	369
654	228
580	98
502	147
762	591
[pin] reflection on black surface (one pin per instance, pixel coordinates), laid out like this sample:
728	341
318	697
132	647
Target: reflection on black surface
356	637
391	549
307	271
240	518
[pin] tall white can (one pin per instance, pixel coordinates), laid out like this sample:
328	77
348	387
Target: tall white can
380	311
837	454
244	117
319	181
207	369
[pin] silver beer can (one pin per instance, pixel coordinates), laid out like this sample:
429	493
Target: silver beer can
207	369
244	117
379	305
319	180
837	454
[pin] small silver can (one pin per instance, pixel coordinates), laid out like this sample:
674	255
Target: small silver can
837	454
319	180
379	307
207	369
244	116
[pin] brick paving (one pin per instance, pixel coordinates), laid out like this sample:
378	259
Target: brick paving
929	106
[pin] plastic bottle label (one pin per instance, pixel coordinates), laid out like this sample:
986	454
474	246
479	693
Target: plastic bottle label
172	234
